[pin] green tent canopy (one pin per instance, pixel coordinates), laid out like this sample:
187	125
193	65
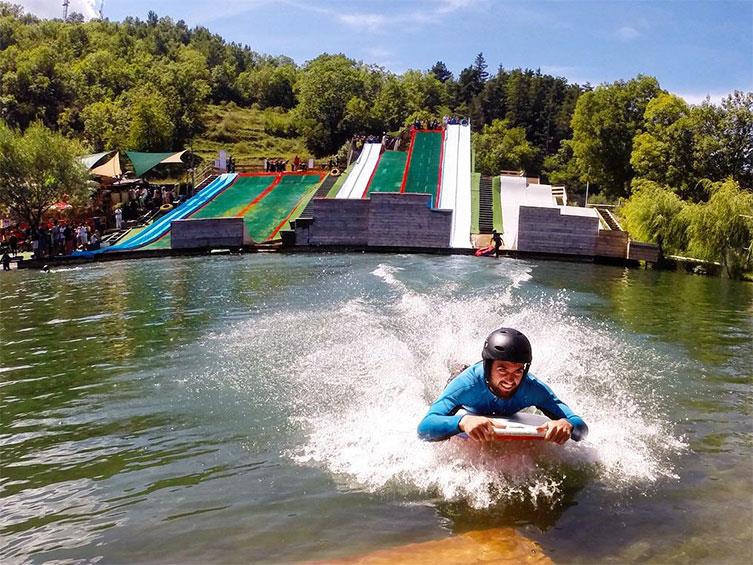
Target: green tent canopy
143	162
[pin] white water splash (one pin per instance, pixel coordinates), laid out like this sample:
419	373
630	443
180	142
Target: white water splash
365	373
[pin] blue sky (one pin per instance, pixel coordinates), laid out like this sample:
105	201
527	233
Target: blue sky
694	48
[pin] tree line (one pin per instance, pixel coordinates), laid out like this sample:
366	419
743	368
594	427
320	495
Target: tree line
143	85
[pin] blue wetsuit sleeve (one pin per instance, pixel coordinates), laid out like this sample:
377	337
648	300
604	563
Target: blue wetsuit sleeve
441	422
554	408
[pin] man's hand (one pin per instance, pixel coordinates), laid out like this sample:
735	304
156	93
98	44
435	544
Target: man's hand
557	431
478	428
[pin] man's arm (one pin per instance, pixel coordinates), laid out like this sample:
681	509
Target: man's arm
442	422
554	408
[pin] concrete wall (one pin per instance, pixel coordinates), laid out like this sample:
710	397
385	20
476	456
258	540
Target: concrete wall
336	221
384	220
207	233
406	220
546	230
612	243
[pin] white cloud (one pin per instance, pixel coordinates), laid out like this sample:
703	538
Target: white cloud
54	8
372	22
699	97
626	33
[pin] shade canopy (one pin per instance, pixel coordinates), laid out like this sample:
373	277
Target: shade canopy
109	169
143	162
90	160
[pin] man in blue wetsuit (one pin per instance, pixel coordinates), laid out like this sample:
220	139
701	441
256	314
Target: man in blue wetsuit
499	386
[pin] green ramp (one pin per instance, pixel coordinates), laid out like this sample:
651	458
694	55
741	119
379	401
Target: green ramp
389	173
423	174
263	219
229	203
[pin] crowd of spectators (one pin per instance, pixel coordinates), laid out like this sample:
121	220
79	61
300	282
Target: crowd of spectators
50	239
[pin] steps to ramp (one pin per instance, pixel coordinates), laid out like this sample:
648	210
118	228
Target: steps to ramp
608	218
485	210
358	179
424	162
389	173
159	228
455	188
321	192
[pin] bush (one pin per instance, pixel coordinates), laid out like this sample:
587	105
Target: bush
280	125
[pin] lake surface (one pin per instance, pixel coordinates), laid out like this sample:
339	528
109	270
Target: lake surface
263	408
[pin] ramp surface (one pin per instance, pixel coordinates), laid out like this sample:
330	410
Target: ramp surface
455	192
424	164
266	217
389	173
358	179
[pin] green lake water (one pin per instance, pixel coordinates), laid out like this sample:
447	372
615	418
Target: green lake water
263	408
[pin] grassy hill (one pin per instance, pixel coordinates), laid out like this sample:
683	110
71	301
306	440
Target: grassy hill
248	134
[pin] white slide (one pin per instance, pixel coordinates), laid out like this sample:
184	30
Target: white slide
359	176
455	192
515	192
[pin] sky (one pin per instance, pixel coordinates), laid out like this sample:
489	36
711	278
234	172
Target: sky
695	48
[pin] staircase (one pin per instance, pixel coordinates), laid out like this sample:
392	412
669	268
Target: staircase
609	218
485	207
321	192
204	183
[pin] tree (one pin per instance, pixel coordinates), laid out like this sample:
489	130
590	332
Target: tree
736	135
604	124
392	106
722	229
37	169
150	126
324	89
441	72
664	151
424	91
653	213
500	147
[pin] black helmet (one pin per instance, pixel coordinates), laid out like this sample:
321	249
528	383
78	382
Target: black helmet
506	344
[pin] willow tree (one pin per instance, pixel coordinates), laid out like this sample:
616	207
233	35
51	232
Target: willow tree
722	229
654	213
37	169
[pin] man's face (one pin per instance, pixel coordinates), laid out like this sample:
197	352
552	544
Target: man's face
505	376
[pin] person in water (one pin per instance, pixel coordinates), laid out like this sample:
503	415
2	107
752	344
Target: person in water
498	386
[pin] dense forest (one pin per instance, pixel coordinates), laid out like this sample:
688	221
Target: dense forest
680	171
143	85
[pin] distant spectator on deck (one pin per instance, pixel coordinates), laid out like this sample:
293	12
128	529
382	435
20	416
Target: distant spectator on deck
13	244
6	261
118	219
68	237
497	239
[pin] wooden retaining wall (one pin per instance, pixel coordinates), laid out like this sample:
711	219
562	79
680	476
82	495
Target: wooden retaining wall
638	251
208	233
545	230
611	243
